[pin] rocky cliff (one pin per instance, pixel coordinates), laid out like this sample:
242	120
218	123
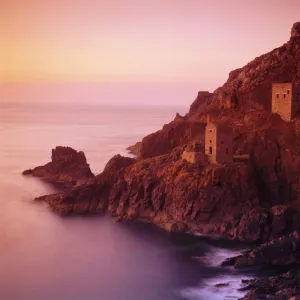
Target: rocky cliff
67	167
237	201
245	98
179	196
244	101
257	201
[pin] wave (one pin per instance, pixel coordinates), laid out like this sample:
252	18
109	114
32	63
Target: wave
226	283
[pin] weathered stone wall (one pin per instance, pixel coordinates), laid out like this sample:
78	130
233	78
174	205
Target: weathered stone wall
224	145
194	157
218	144
211	142
282	100
296	99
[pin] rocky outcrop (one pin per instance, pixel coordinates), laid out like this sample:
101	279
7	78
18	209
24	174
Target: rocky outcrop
174	134
166	191
118	162
179	196
283	251
202	100
282	287
135	149
295	31
67	167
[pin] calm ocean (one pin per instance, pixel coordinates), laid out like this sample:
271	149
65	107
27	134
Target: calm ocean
46	257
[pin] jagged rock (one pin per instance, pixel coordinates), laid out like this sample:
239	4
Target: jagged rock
172	135
203	99
135	149
179	118
295	31
282	287
67	167
172	194
282	251
284	219
252	225
118	162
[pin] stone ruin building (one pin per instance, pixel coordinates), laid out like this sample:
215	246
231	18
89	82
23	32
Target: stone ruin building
218	142
218	145
285	100
195	155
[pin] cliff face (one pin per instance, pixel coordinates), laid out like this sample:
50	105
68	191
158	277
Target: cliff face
176	133
244	101
237	201
176	195
245	98
164	190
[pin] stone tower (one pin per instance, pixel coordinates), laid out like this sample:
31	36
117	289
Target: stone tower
285	100
218	142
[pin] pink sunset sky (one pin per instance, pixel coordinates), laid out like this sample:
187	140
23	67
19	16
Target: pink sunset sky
162	41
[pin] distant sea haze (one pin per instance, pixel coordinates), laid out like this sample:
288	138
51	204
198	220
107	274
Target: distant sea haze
169	93
44	256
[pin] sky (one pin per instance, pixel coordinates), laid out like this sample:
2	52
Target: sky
163	41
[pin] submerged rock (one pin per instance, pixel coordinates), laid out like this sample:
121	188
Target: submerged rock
67	167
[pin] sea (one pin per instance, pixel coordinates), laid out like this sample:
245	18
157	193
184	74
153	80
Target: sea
47	257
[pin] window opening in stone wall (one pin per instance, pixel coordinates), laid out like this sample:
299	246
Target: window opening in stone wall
210	130
277	95
284	95
288	92
210	141
210	150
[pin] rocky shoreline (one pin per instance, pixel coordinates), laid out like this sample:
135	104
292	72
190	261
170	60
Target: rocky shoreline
253	201
120	190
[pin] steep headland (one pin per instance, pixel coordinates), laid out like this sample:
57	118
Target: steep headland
238	200
256	201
